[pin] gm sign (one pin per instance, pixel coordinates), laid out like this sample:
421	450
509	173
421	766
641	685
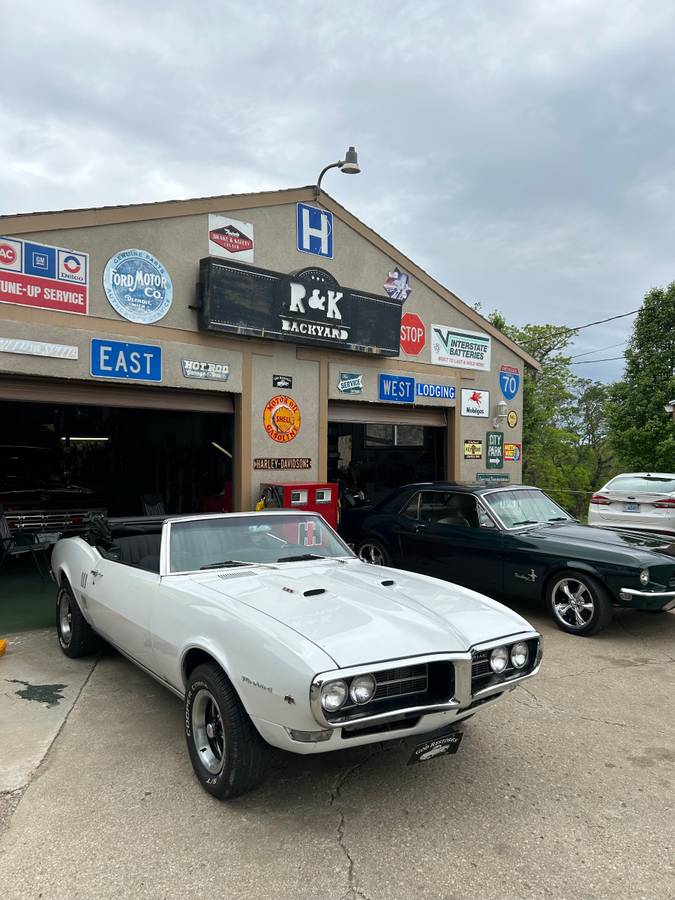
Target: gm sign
315	231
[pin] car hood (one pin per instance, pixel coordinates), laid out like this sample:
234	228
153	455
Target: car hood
347	610
608	538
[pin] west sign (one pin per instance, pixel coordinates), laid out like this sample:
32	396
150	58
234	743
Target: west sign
309	307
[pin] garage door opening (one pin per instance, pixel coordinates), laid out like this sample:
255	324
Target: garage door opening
375	449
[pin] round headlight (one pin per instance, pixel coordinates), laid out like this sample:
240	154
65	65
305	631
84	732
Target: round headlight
644	577
499	659
333	695
362	688
519	654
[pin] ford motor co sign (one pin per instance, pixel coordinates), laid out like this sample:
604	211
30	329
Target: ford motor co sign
310	307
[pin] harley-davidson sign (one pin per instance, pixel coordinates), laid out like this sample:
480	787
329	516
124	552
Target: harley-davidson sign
309	307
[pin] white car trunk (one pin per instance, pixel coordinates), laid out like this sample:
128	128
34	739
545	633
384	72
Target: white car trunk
630	509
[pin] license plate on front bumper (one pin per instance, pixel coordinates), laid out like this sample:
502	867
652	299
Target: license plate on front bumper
631	507
48	537
439	745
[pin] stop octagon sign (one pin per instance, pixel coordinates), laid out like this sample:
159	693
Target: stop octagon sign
413	334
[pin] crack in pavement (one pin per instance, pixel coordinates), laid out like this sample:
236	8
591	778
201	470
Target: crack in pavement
353	891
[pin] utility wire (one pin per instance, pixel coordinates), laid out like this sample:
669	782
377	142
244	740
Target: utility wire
602	321
586	362
599	349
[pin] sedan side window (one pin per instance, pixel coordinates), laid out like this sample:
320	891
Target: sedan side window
412	510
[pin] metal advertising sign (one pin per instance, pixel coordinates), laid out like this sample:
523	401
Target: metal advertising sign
281	418
512	418
509	381
315	230
492	477
138	286
207	371
512	452
117	359
460	349
494	450
270	462
398	285
397	388
309	307
44	277
282	381
230	238
38	348
437	391
473	449
475	403
350	383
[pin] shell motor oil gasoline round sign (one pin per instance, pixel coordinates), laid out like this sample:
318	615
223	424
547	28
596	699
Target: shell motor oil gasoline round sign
281	418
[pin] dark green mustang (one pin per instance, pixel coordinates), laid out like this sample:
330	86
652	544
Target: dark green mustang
516	542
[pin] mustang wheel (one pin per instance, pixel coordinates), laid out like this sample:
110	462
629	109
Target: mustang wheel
76	637
578	604
372	551
227	753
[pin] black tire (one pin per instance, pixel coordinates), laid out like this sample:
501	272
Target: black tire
227	753
76	636
372	551
589	609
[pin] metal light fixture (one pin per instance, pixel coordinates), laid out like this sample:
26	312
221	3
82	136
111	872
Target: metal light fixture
502	411
349	165
670	408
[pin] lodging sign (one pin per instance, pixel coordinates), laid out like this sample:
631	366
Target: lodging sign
460	349
43	276
309	307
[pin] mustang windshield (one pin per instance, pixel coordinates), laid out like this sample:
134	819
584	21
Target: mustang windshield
260	538
525	507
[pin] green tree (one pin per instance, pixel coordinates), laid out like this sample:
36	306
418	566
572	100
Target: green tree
641	432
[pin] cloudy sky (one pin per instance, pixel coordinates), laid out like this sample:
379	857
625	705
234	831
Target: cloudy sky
522	151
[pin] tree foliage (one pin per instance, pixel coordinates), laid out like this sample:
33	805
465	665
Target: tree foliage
641	432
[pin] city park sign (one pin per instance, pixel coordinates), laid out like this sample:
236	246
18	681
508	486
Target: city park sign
308	307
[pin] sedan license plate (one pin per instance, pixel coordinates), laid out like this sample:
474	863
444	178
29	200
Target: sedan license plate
48	537
437	745
631	507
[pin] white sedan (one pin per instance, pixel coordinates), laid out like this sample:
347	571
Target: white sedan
273	632
637	501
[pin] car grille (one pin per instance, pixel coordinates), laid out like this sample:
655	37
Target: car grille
482	675
70	520
401	682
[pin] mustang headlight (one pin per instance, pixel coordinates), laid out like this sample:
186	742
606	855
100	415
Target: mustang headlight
644	577
499	659
519	654
333	695
362	688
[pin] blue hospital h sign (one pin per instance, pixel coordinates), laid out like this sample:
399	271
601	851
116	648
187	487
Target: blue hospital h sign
315	230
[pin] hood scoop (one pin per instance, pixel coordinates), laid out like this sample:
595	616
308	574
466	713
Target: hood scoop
388	582
314	592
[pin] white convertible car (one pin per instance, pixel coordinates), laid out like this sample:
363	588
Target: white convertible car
274	632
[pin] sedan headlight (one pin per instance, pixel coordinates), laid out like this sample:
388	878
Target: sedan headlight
499	659
333	695
644	577
362	688
519	654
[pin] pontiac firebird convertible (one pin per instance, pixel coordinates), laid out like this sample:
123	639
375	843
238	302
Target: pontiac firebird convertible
274	632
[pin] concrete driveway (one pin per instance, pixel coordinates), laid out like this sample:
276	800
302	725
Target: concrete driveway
564	790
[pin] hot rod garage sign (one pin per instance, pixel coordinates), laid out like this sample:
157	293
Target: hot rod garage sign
310	307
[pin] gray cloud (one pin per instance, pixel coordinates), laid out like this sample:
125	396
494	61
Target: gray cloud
521	152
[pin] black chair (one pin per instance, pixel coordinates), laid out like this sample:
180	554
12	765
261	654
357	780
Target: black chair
153	505
20	544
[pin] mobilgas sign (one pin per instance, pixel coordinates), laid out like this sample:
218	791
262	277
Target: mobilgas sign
309	307
117	359
138	286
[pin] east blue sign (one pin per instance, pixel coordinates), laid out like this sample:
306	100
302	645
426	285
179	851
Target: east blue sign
117	359
509	381
315	231
437	391
397	388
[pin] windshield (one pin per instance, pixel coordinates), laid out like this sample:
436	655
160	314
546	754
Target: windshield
664	484
259	538
525	507
22	463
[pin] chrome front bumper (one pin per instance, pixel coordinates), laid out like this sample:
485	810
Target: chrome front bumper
634	594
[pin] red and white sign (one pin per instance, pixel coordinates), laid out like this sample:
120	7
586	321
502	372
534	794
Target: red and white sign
475	403
43	276
413	334
230	238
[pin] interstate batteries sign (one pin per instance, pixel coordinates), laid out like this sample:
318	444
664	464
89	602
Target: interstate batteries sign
460	349
310	307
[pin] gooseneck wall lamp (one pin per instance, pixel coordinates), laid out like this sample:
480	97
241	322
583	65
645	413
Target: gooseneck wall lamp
349	165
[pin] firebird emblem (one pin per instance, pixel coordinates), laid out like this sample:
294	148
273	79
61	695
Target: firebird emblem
531	576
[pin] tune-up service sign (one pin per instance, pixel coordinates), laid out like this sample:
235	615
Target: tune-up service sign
43	276
138	286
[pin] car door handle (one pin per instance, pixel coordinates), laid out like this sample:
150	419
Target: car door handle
96	574
419	527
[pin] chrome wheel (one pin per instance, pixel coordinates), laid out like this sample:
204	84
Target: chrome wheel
371	553
65	618
207	731
573	603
